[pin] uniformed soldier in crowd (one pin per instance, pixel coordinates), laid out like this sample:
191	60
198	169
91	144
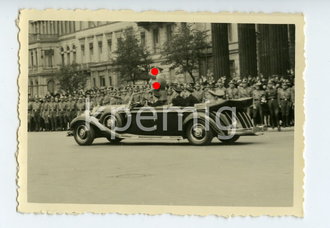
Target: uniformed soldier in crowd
52	114
67	113
272	100
257	95
284	96
126	96
36	108
292	106
46	113
107	98
244	91
30	118
81	106
220	88
71	108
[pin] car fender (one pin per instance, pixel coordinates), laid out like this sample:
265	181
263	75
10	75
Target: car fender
94	122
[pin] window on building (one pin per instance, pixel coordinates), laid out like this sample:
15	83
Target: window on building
230	32
68	55
109	45
82	48
91	51
119	39
94	82
102	81
110	81
155	33
36	57
169	32
143	38
32	60
49	57
74	54
100	47
62	56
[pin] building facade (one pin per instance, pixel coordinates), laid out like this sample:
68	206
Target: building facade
235	50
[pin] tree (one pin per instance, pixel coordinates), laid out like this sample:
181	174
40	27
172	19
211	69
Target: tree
71	78
133	59
184	50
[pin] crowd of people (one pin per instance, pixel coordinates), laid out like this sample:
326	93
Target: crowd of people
273	100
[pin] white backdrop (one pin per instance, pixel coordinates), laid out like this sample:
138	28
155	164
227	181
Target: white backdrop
317	79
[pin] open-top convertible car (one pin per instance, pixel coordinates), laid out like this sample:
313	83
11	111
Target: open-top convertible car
226	120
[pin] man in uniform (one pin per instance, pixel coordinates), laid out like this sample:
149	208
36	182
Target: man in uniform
178	100
59	113
52	113
231	92
45	113
190	99
272	100
62	108
107	98
30	122
284	97
36	106
170	95
67	113
198	93
220	88
136	97
257	95
244	91
71	108
80	107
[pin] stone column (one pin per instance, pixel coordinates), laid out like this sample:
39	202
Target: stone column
273	49
96	50
220	50
247	50
86	50
292	45
105	52
78	51
59	28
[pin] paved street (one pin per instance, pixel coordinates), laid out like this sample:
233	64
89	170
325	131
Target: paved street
256	171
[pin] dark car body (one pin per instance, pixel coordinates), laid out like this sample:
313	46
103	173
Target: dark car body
199	124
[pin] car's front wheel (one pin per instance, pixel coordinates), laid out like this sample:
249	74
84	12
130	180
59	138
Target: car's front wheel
83	134
198	133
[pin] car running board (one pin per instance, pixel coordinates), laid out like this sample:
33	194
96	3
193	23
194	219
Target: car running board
132	136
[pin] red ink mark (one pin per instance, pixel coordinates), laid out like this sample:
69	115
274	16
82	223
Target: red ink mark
156	85
154	71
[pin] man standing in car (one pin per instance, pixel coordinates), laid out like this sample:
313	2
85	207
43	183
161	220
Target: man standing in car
178	100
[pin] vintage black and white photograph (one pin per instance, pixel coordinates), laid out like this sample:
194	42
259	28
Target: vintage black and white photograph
161	113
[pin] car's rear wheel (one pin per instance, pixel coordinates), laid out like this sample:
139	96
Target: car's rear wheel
198	133
83	134
231	140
